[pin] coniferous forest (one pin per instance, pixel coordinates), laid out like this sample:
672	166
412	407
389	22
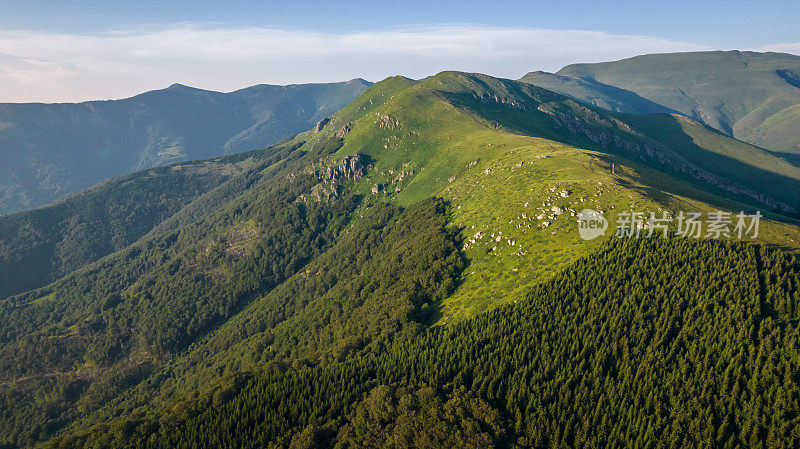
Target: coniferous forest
624	348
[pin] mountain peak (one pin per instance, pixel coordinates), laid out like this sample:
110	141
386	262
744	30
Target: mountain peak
360	81
536	73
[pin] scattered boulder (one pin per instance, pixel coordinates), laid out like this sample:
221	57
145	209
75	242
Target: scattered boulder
388	122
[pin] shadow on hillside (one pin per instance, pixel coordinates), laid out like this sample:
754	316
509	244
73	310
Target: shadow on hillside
667	130
640	104
662	190
793	159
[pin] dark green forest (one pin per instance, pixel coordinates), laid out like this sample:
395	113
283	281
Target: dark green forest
653	343
102	328
42	245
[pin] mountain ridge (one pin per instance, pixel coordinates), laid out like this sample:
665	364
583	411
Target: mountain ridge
51	150
736	92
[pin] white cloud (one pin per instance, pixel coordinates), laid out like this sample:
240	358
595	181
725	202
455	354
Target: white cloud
793	48
62	67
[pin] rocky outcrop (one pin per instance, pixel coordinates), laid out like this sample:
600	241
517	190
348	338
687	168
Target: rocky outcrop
321	124
343	131
388	122
350	168
332	176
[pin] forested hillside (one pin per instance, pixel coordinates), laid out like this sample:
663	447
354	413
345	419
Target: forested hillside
113	320
40	246
657	343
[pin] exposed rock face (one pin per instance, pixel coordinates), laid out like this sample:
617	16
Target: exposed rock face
388	122
323	192
508	102
350	168
332	175
321	124
343	131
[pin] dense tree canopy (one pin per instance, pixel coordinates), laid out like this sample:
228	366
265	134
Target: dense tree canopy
651	343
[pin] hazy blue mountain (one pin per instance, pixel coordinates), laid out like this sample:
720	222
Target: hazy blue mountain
752	96
48	151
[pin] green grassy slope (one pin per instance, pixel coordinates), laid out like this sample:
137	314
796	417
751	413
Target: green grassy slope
467	138
751	96
52	150
535	112
526	110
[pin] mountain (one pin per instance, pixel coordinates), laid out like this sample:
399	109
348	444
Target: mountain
754	97
409	273
42	245
48	151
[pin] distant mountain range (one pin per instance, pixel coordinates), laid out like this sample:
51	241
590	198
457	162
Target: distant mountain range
754	97
48	151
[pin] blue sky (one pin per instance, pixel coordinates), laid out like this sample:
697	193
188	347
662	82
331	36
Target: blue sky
68	51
